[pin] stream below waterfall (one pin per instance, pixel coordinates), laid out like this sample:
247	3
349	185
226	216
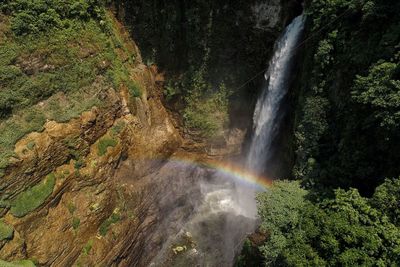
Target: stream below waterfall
208	212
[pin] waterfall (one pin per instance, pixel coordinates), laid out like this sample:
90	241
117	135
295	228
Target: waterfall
266	116
215	213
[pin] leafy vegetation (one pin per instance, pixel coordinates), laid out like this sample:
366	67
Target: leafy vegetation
105	226
206	108
53	54
342	210
34	16
75	222
206	111
349	96
71	208
118	128
21	263
104	144
6	231
379	91
197	43
348	230
88	247
33	198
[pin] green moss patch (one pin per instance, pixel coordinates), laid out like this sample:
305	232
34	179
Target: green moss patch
75	223
33	198
117	128
105	143
6	231
71	207
114	218
21	263
45	74
88	247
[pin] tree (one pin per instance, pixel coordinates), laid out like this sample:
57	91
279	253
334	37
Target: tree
380	91
387	199
343	231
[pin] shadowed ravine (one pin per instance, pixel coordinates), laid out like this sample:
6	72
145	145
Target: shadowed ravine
206	213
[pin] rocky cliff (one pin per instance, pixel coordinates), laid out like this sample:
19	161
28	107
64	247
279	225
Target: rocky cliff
230	40
84	133
60	193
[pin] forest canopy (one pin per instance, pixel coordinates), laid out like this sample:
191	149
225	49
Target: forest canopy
343	209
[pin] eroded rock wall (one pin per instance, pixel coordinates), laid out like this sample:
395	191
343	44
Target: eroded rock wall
233	39
90	217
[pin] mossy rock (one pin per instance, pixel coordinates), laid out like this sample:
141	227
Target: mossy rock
104	144
6	231
75	223
105	226
33	198
21	263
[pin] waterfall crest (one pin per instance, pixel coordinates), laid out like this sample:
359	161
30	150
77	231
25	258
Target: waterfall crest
266	116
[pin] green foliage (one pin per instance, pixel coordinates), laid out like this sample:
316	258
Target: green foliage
65	72
75	222
105	226
21	263
80	163
250	256
45	77
31	145
69	75
119	74
88	247
104	144
280	212
344	231
380	92
348	108
6	231
312	127
33	198
71	207
117	128
387	198
133	88
206	110
34	16
171	90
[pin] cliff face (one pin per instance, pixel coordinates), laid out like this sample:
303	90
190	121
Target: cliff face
80	155
231	41
59	191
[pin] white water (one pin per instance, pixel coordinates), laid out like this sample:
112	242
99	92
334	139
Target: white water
266	115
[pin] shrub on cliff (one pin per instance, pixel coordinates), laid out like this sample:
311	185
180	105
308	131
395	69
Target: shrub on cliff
206	110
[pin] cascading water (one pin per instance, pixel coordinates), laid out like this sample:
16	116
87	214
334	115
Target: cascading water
267	112
266	115
219	212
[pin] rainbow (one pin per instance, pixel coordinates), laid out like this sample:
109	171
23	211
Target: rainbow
238	173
